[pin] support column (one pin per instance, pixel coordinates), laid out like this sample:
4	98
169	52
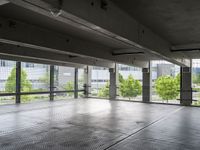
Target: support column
146	85
186	86
76	83
87	80
113	83
18	82
51	83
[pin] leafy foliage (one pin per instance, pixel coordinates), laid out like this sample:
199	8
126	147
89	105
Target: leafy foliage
167	87
10	86
26	85
130	87
104	91
196	78
69	87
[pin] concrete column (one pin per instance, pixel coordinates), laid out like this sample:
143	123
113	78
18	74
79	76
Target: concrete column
18	82
76	83
146	85
87	80
51	83
113	83
186	86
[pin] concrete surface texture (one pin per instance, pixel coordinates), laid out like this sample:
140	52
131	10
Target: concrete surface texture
87	124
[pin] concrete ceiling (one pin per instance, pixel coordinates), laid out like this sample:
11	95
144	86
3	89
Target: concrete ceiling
19	13
175	20
130	31
12	11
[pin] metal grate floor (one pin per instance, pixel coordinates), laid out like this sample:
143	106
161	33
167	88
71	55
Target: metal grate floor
92	124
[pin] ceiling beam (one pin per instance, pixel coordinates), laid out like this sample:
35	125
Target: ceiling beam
107	20
195	46
38	61
3	2
30	36
19	53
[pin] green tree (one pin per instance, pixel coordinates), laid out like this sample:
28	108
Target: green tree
104	91
121	79
130	87
69	87
196	78
167	87
10	85
26	85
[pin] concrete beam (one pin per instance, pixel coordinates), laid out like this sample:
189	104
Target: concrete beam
3	2
29	36
108	21
27	54
39	61
188	47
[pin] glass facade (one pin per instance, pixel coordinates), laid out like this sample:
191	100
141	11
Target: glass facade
165	82
100	78
64	81
196	82
7	76
28	98
130	83
35	77
81	81
7	81
64	78
35	82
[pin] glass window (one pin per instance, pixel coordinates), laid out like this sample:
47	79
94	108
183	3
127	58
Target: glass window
80	78
64	81
100	82
196	81
7	81
34	77
8	77
63	96
165	82
34	98
130	82
4	100
81	81
64	78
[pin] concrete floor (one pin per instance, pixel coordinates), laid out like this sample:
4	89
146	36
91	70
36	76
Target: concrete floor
91	124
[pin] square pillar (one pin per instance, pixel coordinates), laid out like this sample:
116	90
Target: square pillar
51	82
146	85
76	83
186	86
113	83
87	80
18	82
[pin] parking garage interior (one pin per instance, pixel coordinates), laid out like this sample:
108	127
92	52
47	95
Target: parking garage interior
99	74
